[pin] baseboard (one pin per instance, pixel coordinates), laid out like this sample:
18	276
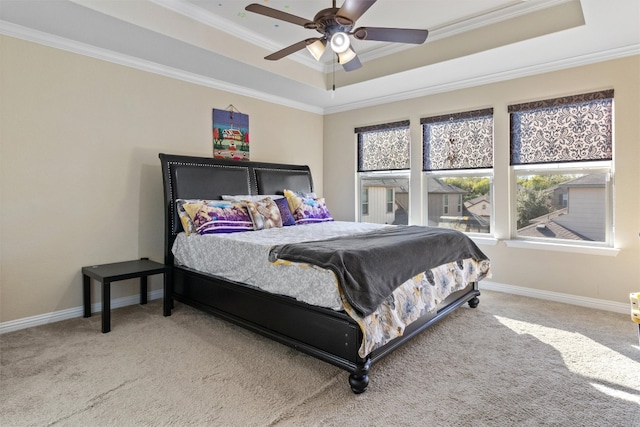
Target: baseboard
595	303
71	313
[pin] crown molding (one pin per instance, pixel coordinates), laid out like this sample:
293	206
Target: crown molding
57	42
28	34
577	61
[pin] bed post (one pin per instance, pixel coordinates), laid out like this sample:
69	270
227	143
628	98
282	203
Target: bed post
359	379
473	302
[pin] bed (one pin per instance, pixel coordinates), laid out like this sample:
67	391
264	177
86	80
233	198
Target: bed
335	332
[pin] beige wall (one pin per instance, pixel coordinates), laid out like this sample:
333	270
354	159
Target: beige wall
591	276
80	180
80	174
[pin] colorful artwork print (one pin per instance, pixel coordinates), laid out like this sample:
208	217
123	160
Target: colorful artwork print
230	135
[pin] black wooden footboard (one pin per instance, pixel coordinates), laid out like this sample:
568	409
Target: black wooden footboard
328	335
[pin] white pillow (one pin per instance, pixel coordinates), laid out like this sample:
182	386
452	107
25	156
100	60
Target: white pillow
251	197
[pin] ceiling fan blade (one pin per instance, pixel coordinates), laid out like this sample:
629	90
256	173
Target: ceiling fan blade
291	49
352	10
397	35
274	13
354	64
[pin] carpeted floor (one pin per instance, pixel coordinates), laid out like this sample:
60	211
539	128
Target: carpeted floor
513	361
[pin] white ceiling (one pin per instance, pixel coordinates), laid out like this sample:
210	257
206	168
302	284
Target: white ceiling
218	44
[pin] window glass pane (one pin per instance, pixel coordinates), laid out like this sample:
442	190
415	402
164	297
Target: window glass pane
459	202
381	210
562	206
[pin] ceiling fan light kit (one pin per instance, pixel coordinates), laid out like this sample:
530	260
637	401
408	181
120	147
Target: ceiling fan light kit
346	56
336	25
340	42
317	48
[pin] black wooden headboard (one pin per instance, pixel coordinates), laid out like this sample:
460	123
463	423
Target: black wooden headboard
206	178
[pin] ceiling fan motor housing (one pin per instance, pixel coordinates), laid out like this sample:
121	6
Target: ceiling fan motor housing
327	22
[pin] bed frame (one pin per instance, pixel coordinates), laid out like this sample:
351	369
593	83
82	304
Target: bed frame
329	335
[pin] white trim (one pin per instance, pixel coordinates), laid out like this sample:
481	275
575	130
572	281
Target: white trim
28	34
483	240
598	304
57	42
71	313
525	71
559	247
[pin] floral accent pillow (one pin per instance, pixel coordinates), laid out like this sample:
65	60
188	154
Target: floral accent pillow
218	216
285	212
306	208
185	219
264	213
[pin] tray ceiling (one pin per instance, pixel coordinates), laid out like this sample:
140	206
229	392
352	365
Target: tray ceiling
218	44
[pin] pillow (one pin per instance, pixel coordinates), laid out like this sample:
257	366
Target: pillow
250	197
218	216
292	197
285	212
264	213
185	219
306	208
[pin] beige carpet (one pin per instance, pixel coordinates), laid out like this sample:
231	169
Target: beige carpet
513	361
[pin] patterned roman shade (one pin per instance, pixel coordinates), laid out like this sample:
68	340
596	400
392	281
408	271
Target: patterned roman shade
458	141
569	129
384	147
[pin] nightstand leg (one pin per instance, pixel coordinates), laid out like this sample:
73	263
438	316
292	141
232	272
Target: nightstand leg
86	295
106	307
168	297
143	290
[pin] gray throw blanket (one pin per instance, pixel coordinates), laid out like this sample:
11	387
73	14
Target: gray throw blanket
370	266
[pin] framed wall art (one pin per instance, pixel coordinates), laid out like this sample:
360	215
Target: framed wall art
230	134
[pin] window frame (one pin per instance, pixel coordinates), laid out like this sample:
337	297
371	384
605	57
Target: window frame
604	166
597	162
430	167
362	173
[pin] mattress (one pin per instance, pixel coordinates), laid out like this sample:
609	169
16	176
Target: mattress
244	258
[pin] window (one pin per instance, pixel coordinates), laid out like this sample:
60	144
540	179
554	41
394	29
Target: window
383	173
561	152
458	204
365	201
390	200
457	166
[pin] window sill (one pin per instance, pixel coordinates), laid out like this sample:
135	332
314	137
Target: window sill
559	247
481	240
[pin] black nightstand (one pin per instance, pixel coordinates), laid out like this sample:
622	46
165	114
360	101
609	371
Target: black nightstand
107	273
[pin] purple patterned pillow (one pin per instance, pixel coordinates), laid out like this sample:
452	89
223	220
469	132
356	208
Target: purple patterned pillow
307	209
285	212
219	216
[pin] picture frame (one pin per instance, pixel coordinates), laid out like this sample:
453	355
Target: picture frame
230	133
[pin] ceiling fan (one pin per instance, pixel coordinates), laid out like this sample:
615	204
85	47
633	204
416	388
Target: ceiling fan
336	25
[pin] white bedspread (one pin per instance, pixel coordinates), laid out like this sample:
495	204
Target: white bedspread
243	257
